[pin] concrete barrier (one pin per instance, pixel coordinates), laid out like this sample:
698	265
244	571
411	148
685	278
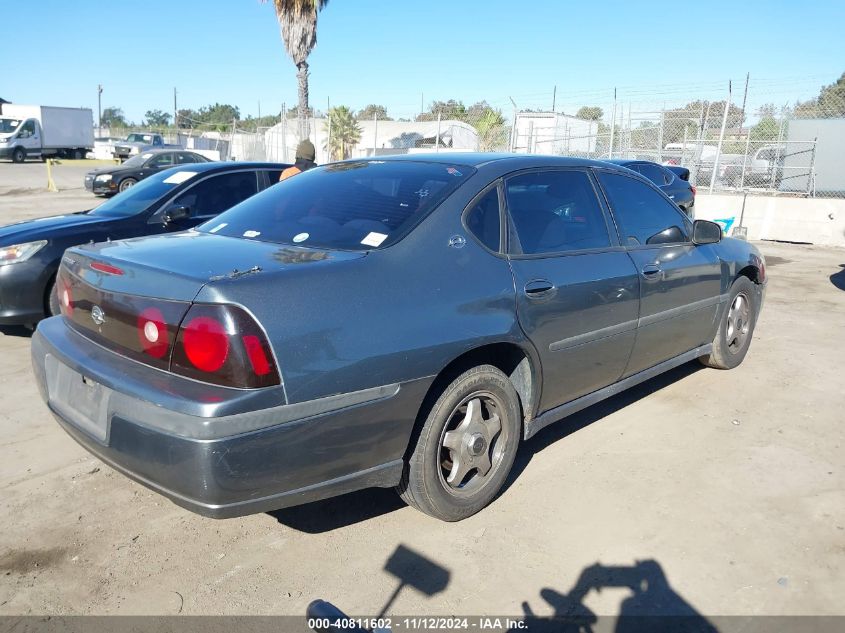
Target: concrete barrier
814	220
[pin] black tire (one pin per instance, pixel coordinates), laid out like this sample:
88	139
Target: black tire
77	154
736	328
126	183
18	155
425	484
51	301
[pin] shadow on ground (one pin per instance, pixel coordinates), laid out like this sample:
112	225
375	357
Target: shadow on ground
651	604
838	279
18	331
339	512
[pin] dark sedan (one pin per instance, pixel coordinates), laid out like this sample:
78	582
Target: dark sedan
174	200
111	180
670	181
401	321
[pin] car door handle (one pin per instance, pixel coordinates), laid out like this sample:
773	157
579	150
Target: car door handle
539	288
652	271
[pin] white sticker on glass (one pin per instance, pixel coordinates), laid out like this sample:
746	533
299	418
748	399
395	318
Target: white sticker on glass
300	237
179	176
252	233
222	225
374	239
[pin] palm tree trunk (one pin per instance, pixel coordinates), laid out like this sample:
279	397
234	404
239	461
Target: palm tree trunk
302	77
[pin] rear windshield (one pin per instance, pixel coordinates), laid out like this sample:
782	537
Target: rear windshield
359	205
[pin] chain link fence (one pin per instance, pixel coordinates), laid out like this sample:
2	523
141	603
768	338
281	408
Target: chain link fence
727	144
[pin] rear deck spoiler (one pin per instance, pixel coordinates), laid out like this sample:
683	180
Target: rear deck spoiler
680	172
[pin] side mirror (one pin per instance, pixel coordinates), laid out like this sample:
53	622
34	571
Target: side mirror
177	214
706	232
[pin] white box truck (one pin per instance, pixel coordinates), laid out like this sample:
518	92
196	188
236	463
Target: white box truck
44	131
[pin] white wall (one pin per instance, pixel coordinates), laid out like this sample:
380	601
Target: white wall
815	220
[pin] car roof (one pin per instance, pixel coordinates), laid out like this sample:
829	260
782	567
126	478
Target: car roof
629	161
220	165
477	159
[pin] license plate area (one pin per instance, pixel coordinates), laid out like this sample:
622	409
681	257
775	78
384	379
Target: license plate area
77	398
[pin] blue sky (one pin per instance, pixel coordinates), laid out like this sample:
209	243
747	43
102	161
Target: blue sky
391	52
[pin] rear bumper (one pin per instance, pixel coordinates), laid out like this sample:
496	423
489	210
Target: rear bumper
285	455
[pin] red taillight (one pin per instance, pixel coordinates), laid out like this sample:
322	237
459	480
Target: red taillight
152	332
256	354
206	343
65	297
106	268
224	345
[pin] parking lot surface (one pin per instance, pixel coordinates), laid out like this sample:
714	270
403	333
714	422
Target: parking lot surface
718	491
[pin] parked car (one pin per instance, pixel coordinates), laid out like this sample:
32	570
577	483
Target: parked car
169	201
110	180
679	190
399	321
140	142
764	168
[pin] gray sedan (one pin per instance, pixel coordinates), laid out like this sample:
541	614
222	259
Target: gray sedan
402	321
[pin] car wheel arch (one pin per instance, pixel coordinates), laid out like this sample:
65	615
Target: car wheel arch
750	271
518	363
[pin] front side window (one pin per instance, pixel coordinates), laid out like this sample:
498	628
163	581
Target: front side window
356	205
217	193
161	161
555	212
183	158
483	219
643	216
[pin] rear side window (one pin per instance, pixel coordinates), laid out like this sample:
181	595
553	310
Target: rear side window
357	205
218	193
555	212
184	158
483	219
655	173
644	217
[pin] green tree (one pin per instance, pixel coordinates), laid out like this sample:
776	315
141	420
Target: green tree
590	113
767	129
829	104
343	132
156	118
492	133
298	24
114	117
373	110
218	116
186	118
451	110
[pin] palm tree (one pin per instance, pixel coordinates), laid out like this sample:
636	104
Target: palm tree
343	132
491	130
298	22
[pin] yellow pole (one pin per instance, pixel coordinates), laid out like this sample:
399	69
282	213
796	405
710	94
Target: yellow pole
51	184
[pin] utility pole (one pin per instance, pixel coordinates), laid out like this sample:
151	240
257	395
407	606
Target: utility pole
721	140
744	97
554	98
175	112
99	108
612	126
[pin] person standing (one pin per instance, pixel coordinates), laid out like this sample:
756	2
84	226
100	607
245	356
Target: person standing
305	154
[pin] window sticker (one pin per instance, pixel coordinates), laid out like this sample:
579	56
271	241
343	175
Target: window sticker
179	177
222	225
453	171
374	239
252	233
300	237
